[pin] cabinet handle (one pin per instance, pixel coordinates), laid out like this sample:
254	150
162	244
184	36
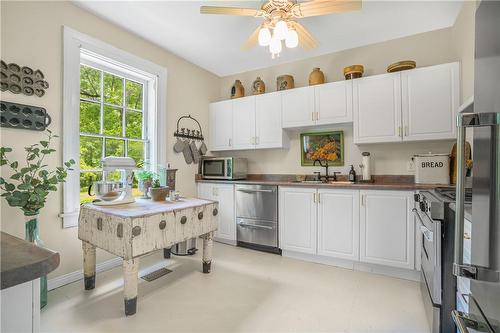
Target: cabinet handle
319	197
317	116
362	199
406	130
399	131
229	142
312	116
314	197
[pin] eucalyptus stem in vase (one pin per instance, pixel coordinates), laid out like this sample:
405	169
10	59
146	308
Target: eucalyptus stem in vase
28	186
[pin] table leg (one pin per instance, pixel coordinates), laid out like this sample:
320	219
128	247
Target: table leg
207	252
167	253
88	265
130	276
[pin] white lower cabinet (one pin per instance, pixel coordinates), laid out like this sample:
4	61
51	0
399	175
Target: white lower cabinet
387	228
224	194
338	223
297	219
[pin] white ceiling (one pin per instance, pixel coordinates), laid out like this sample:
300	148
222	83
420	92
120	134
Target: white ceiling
214	42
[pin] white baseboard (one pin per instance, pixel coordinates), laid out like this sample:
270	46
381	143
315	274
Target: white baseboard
407	274
78	275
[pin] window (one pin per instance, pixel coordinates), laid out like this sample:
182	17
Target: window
114	104
113	120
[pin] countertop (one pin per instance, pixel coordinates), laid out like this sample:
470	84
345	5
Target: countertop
381	182
147	207
22	261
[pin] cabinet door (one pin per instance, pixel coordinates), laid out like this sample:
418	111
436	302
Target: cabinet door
268	121
377	108
221	125
205	191
430	97
297	219
224	194
387	228
298	107
338	224
244	123
333	102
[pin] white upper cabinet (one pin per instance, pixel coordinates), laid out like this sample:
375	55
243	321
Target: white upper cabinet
387	228
298	107
244	123
377	108
221	125
268	130
430	99
297	219
338	223
333	102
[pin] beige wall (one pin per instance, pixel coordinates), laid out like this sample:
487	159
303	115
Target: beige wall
426	49
31	34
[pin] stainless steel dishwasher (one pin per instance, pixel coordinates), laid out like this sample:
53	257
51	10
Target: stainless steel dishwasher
257	217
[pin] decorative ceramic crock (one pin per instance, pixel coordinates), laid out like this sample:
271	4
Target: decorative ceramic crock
316	77
353	72
259	87
31	234
284	82
237	90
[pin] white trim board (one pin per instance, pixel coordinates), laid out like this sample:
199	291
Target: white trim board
402	273
78	275
74	44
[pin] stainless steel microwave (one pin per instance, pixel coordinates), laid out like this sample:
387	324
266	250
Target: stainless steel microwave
229	168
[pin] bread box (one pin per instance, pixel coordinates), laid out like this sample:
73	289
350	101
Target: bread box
432	168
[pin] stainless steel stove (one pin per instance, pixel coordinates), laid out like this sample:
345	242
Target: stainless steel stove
435	220
450	193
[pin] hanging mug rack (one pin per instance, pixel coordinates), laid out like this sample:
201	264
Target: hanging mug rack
183	132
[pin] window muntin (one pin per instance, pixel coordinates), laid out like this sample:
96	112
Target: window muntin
112	121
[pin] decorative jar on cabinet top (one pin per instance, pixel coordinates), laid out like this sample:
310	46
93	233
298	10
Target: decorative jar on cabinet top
258	86
237	90
284	82
316	77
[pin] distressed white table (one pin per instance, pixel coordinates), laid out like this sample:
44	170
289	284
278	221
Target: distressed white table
132	230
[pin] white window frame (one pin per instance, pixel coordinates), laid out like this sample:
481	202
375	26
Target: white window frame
76	47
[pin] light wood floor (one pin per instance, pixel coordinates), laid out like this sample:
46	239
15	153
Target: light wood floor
247	291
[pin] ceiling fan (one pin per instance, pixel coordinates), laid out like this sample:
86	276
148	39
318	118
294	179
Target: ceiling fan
281	16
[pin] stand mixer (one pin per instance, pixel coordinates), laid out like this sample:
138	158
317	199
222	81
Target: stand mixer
110	193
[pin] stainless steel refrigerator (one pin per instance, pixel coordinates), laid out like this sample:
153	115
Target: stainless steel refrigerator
483	116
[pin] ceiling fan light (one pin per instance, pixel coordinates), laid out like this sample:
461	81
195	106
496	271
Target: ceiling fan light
292	39
264	37
280	30
275	45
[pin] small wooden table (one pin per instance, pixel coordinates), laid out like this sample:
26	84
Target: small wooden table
132	230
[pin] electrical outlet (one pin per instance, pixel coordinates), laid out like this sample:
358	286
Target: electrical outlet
410	165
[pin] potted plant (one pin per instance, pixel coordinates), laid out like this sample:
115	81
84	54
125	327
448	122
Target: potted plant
28	187
158	192
145	178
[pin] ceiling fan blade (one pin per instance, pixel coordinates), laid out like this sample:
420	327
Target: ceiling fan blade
325	7
306	40
252	40
229	11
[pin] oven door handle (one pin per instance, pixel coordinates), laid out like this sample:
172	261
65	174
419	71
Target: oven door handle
429	235
257	226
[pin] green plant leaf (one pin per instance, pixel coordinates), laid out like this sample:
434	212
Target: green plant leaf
10	187
14	165
44	143
16	176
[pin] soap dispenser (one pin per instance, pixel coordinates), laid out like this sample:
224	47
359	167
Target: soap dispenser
352	174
